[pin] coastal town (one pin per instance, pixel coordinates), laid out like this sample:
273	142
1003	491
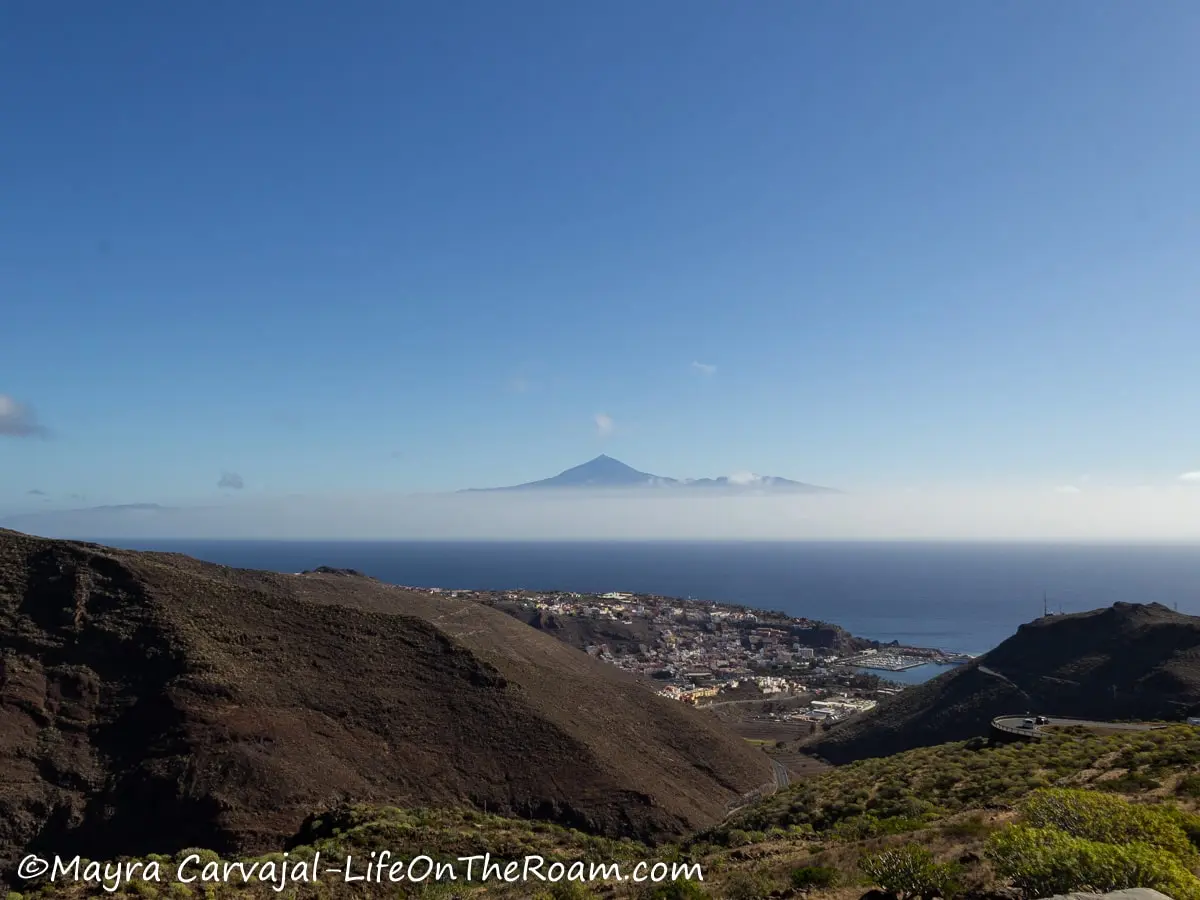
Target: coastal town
721	655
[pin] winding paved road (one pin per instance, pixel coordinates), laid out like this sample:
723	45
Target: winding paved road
1016	725
782	778
992	672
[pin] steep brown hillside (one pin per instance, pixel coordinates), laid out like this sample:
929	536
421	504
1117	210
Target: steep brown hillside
1129	661
151	701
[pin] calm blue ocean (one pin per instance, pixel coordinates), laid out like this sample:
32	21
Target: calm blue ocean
964	597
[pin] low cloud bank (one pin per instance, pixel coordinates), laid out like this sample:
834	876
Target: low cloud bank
1139	515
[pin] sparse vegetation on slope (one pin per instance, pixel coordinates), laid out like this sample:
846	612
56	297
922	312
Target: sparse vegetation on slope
939	809
906	791
1055	840
446	834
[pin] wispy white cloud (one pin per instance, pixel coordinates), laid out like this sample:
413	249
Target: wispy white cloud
17	419
1190	477
743	478
704	368
604	424
1067	489
518	384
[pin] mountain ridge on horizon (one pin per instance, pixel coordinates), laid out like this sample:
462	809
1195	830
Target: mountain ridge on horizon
606	472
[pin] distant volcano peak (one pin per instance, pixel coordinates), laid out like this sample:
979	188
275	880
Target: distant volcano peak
605	472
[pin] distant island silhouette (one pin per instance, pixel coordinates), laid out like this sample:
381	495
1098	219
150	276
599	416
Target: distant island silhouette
604	472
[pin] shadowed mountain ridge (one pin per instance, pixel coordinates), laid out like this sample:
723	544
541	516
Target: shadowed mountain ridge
1129	661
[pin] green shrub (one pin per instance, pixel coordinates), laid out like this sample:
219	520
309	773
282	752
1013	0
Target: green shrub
869	826
1107	819
809	877
1129	783
910	871
1041	862
1188	821
205	856
1189	786
745	886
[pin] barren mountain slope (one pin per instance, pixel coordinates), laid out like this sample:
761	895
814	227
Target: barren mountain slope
150	701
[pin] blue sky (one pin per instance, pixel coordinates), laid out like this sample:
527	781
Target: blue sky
374	246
